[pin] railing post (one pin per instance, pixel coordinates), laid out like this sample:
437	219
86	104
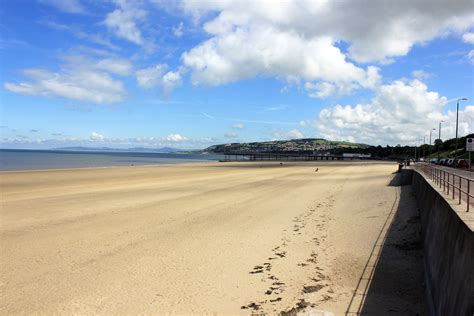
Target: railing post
444	181
448	183
454	185
468	194
460	185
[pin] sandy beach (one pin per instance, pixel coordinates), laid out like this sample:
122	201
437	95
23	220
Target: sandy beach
223	238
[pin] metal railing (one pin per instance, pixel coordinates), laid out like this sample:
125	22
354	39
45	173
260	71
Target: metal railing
454	185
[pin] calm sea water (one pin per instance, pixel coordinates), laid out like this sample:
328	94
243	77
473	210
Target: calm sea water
44	159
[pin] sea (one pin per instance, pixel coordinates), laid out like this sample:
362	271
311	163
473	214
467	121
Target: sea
14	159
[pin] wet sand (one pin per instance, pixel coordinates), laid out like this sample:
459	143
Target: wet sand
225	238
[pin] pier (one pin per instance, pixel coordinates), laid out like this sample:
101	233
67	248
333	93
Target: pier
282	157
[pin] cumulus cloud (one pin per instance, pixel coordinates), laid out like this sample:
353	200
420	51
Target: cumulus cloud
158	76
123	21
298	40
468	38
176	138
253	50
96	137
400	112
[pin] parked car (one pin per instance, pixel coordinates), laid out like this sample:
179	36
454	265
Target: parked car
463	164
442	161
450	162
434	160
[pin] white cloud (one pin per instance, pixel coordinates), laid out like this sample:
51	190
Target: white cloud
178	31
176	138
81	78
118	66
388	29
158	76
238	126
470	56
123	21
400	112
299	40
247	53
293	134
68	6
275	108
468	37
150	77
230	135
96	137
320	90
420	74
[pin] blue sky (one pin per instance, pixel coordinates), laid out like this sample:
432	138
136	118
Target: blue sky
189	74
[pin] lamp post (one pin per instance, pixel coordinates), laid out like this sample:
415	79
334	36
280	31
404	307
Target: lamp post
434	129
415	150
439	137
424	148
457	119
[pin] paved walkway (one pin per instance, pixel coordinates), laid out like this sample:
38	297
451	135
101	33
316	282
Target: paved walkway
460	172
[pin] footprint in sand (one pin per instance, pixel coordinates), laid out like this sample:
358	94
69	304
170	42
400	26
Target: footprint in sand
257	269
313	288
281	254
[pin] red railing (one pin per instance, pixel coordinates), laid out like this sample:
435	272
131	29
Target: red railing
454	185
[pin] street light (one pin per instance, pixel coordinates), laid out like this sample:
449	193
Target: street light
424	147
434	129
415	149
439	137
457	118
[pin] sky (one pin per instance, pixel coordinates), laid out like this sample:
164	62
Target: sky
189	74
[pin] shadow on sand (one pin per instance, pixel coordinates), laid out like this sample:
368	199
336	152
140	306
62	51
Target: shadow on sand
392	281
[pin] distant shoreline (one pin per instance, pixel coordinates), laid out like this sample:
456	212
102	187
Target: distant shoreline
21	159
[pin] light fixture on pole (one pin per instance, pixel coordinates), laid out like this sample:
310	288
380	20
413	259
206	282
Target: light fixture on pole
457	119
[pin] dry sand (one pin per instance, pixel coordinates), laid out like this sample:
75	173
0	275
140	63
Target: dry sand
224	238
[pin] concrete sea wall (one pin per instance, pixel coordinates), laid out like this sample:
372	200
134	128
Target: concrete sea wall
448	244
